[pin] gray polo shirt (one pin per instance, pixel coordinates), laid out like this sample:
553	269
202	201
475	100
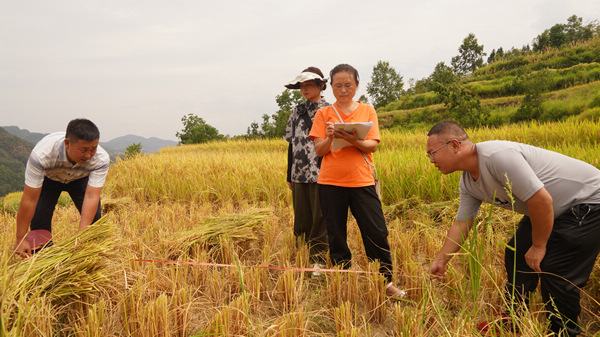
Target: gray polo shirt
526	169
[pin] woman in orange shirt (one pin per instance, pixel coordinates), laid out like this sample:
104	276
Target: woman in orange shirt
346	180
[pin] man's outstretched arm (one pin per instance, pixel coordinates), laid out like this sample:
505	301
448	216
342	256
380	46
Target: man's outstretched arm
25	213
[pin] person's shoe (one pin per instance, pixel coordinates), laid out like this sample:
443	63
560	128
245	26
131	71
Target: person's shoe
500	325
316	267
393	292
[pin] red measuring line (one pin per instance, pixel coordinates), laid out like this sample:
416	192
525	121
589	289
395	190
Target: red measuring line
259	267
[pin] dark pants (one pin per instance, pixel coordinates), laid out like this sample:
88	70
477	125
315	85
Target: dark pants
309	223
366	209
51	190
571	252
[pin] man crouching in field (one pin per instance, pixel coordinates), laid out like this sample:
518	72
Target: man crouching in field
557	240
72	162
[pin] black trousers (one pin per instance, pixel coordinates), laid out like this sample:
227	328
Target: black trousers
51	190
366	209
309	223
571	253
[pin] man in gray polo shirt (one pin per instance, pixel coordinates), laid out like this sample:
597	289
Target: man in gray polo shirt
558	238
72	162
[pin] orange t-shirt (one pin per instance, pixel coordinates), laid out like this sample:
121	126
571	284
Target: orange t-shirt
346	167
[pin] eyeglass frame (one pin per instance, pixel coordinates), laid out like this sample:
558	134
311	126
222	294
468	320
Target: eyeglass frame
431	153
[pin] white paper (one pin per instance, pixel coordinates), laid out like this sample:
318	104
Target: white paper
362	129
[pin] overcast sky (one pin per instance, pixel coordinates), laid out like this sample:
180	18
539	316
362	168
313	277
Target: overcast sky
137	67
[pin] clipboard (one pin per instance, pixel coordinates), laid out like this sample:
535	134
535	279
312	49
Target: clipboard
362	129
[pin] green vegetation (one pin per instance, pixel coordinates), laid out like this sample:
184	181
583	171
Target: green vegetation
548	86
133	150
274	126
470	57
571	32
386	85
14	153
556	79
196	130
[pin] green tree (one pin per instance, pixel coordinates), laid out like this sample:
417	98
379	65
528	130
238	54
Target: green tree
196	130
443	74
470	57
531	107
418	86
253	131
386	85
497	55
533	85
492	56
541	41
561	34
274	126
133	150
558	35
463	107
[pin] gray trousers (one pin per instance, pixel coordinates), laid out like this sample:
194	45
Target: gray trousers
309	223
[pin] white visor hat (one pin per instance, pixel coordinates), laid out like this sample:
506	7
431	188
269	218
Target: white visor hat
303	77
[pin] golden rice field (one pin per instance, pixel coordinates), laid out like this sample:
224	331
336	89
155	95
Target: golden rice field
197	240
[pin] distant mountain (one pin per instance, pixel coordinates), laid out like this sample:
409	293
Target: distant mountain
114	147
32	137
14	152
149	145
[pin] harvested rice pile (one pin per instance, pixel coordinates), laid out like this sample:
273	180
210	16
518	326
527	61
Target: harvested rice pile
83	264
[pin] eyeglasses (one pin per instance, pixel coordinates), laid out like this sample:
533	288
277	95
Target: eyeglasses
431	153
347	86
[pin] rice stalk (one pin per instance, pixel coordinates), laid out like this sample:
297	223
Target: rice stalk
346	319
290	290
209	233
256	283
155	318
161	196
230	321
353	291
375	294
343	287
68	269
335	287
63	273
218	288
181	303
129	311
35	317
293	324
407	321
95	322
416	280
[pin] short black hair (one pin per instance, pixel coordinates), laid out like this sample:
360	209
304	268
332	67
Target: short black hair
450	129
82	129
344	67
